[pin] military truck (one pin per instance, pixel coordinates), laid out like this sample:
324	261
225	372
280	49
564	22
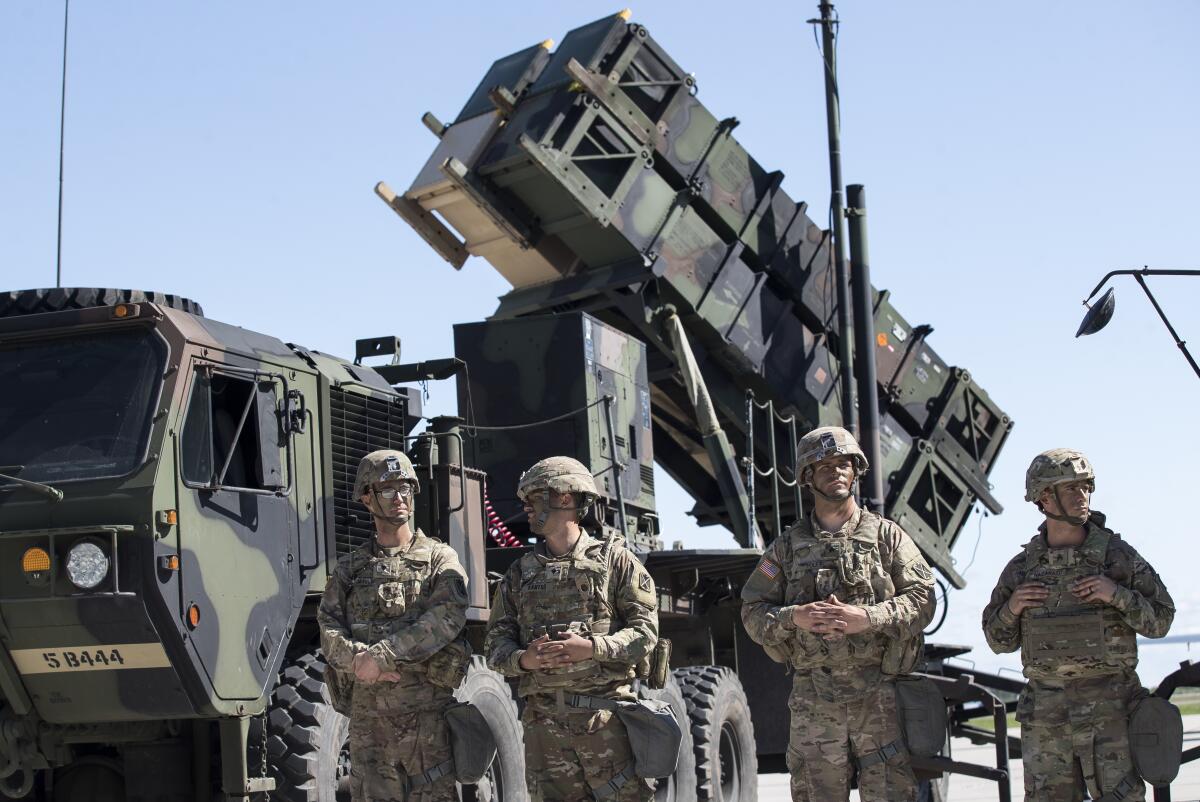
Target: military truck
168	527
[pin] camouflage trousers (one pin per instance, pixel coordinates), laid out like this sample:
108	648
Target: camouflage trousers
571	756
387	751
1074	733
841	719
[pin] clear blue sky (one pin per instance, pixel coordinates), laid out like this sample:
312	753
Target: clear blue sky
1013	153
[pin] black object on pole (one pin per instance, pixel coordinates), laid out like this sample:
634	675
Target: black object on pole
864	351
833	121
62	128
1099	315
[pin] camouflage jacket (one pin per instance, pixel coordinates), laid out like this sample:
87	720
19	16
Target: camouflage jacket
540	591
869	562
1141	604
402	606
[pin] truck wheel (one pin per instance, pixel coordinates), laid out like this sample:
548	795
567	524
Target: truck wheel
505	780
307	740
934	790
680	786
722	733
33	302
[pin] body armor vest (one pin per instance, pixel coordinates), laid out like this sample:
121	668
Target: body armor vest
1068	638
849	567
387	594
561	594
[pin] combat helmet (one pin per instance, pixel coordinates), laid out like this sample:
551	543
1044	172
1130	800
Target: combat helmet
1054	467
828	441
385	465
562	475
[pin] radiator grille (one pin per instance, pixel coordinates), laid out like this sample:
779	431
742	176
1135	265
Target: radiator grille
359	425
647	478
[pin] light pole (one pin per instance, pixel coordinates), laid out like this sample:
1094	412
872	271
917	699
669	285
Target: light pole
1101	312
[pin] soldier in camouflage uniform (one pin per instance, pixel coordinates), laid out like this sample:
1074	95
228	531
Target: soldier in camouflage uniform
572	619
1073	601
392	621
842	596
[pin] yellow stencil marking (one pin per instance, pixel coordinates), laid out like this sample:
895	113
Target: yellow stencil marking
102	657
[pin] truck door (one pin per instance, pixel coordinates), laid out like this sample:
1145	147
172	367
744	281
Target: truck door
238	523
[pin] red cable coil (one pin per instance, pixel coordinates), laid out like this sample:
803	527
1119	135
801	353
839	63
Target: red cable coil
495	526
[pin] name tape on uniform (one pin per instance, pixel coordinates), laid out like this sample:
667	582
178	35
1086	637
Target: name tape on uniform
102	657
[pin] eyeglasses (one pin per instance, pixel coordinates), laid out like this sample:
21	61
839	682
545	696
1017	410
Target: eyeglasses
390	493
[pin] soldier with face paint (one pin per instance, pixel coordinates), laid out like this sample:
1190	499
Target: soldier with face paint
842	596
392	621
1073	602
572	619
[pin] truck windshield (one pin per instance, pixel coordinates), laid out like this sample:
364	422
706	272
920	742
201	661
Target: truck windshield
78	407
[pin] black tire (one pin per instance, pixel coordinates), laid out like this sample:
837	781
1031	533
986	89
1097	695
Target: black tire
33	302
307	740
681	786
934	790
505	780
722	734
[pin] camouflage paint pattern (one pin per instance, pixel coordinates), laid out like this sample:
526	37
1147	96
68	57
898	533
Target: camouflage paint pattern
527	370
630	167
406	607
248	552
843	706
607	595
1074	710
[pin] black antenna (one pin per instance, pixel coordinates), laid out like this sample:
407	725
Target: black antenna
62	127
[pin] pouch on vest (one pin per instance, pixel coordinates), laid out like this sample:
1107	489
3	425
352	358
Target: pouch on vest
1156	740
471	741
340	687
900	655
448	665
922	712
780	652
654	736
654	668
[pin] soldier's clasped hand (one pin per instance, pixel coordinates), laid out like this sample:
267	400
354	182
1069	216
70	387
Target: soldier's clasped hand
365	668
820	618
545	653
1095	588
1030	594
854	618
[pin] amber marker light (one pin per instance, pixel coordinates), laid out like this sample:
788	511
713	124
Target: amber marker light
881	338
122	311
35	561
193	616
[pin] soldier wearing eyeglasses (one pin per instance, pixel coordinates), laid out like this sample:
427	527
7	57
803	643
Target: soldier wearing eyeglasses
392	621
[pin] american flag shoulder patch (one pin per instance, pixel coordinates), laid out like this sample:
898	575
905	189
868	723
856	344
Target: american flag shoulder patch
768	569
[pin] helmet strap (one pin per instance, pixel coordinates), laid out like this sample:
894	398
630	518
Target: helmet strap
831	499
1065	518
399	520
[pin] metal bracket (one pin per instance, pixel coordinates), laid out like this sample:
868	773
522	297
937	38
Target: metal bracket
431	229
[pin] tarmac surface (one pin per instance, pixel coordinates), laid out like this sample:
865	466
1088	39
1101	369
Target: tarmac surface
1186	788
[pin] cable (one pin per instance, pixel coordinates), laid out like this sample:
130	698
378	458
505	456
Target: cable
978	537
514	426
941	603
496	528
